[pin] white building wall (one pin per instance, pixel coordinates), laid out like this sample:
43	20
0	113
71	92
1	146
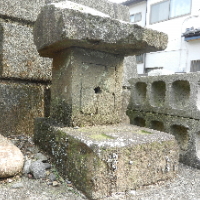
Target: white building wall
179	53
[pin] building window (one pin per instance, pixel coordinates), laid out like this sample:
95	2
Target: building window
136	17
140	59
195	66
169	9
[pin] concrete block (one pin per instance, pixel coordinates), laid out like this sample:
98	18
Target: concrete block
18	55
20	104
63	25
185	130
176	95
102	160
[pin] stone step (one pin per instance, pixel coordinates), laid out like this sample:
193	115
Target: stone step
101	160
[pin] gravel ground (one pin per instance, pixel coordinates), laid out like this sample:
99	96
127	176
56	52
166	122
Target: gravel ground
185	187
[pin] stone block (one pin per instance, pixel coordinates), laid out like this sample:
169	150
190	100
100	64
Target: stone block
63	25
86	87
20	104
185	130
18	55
176	94
103	160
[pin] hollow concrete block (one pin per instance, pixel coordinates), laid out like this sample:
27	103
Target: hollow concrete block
185	130
176	95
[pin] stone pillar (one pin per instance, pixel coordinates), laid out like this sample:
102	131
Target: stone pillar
86	87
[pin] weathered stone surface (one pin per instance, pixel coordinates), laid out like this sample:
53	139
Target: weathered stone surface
185	130
86	87
105	159
63	25
11	158
20	103
18	55
29	9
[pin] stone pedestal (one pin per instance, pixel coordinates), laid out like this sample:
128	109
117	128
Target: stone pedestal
102	160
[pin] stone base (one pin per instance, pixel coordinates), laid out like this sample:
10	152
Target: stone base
101	160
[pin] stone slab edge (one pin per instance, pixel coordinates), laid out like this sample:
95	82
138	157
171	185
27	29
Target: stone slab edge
59	27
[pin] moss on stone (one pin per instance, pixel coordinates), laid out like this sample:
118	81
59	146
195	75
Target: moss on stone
143	132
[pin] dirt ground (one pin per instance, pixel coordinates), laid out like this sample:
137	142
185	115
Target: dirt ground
185	187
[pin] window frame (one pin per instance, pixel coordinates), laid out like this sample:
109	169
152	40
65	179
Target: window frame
169	18
140	58
152	12
136	14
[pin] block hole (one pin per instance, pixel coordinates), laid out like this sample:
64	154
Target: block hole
139	121
97	90
197	144
198	96
157	125
158	92
141	90
180	94
181	135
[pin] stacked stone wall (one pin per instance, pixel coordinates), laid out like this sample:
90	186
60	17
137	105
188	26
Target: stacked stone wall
25	77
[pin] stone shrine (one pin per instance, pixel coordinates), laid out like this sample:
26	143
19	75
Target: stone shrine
88	48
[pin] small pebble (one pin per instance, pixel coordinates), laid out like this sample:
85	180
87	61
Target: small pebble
76	127
40	156
55	183
52	177
30	176
17	185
